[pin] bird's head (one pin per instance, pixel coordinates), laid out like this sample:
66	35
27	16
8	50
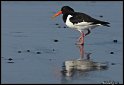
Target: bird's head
64	10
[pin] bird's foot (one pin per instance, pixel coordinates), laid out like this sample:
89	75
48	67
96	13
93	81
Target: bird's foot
79	39
79	43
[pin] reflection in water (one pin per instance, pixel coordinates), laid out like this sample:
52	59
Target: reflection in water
82	53
82	66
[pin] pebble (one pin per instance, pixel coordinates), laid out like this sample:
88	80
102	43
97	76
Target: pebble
115	41
64	27
55	40
111	52
19	51
38	52
10	59
28	50
100	16
56	24
10	62
113	64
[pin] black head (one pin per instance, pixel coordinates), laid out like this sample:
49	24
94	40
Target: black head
66	9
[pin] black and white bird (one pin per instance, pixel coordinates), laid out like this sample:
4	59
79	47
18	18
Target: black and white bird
79	21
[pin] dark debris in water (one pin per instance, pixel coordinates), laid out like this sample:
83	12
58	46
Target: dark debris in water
56	24
19	51
10	62
56	40
28	50
111	52
53	49
10	59
113	63
38	52
59	26
64	27
101	16
115	41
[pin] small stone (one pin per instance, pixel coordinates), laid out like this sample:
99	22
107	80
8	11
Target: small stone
55	40
10	59
113	64
115	41
10	62
100	16
19	51
28	50
38	52
64	27
111	52
56	24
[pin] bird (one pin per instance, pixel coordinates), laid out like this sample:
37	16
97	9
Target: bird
79	21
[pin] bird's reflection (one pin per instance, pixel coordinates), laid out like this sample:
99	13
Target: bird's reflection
83	54
82	65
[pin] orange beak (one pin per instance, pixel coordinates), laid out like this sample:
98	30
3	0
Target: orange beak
57	14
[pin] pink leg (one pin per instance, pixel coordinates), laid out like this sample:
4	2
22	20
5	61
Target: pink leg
81	48
81	39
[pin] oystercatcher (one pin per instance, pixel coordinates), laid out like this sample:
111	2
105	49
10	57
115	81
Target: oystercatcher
79	21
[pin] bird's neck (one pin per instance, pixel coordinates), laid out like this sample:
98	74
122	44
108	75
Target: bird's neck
65	16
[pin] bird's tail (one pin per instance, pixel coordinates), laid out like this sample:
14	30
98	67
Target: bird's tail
102	23
105	23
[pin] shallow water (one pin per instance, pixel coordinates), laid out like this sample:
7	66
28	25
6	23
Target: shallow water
31	55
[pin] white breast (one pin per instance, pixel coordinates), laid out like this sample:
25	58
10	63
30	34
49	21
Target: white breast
68	22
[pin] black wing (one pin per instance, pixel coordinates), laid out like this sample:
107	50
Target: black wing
82	17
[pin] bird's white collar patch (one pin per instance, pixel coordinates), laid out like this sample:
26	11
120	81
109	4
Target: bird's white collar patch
68	22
